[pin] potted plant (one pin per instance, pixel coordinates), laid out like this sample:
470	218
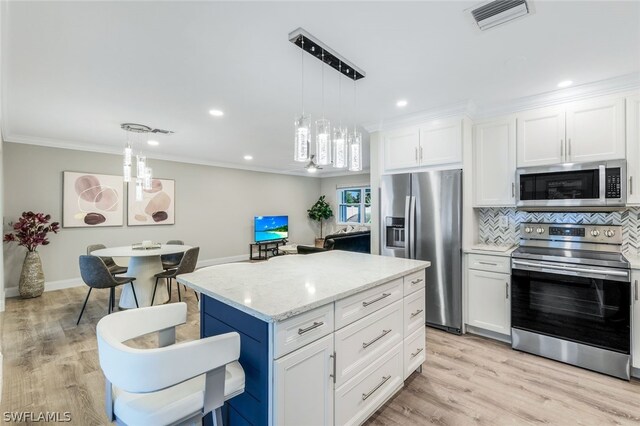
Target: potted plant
320	212
31	231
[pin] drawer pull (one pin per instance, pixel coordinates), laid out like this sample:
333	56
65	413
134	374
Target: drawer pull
416	313
415	354
365	396
371	342
487	263
384	295
311	327
418	281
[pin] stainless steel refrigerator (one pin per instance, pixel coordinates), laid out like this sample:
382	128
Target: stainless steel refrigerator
421	218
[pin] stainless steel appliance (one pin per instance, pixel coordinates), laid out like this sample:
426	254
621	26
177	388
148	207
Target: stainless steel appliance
571	296
587	186
421	218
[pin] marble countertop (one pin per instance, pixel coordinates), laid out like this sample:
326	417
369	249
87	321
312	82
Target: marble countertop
286	286
491	250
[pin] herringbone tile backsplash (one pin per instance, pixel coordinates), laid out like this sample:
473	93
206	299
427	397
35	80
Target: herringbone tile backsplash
490	231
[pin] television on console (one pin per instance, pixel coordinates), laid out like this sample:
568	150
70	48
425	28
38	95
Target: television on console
270	228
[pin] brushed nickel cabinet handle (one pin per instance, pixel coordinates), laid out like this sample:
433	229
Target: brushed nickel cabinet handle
636	285
375	339
513	189
414	354
630	185
416	154
569	149
416	313
418	281
365	304
311	327
561	149
368	394
487	263
333	371
506	289
420	153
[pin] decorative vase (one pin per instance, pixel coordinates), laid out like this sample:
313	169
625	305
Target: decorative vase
320	242
32	277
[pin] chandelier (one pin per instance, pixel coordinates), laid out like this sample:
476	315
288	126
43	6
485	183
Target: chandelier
144	173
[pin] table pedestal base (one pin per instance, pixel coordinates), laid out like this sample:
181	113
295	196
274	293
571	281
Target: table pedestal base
144	268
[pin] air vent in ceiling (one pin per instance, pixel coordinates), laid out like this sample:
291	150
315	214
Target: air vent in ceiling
499	12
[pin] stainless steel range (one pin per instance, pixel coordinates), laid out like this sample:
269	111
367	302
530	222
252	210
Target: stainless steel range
571	296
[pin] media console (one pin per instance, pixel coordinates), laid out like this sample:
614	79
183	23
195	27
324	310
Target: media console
265	249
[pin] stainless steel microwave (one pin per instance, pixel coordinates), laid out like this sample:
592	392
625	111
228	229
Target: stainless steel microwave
598	186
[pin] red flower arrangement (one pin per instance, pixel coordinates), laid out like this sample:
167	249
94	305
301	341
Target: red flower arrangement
31	230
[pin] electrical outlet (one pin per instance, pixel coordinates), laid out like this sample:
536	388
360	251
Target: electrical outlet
504	221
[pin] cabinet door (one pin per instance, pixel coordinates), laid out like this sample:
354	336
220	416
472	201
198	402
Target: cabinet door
595	130
489	301
401	149
635	317
541	137
304	385
633	149
441	143
494	163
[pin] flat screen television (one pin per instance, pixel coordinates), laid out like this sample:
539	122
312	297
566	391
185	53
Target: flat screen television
271	228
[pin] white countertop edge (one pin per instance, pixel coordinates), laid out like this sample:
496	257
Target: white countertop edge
299	310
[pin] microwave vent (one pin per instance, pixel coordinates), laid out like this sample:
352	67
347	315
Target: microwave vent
499	12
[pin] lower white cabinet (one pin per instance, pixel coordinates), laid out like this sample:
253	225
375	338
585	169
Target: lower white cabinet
489	299
304	385
635	315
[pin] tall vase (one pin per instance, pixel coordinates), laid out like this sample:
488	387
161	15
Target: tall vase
32	277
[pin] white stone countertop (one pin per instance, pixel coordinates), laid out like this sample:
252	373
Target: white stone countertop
491	250
287	286
634	260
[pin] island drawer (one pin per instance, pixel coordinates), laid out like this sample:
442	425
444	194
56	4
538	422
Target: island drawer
362	304
300	330
414	351
414	312
364	341
482	262
357	399
414	282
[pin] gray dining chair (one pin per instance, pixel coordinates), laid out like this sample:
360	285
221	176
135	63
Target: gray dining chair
96	274
187	265
113	267
171	261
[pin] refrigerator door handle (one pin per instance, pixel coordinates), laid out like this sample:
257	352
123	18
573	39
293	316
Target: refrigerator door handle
407	228
412	224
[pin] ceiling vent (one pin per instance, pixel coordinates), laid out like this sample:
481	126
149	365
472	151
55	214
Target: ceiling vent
499	12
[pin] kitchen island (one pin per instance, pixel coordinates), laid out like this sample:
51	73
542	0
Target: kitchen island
326	338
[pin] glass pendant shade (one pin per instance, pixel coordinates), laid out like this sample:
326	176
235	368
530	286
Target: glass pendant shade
139	195
141	166
323	142
355	151
302	138
148	173
126	164
340	148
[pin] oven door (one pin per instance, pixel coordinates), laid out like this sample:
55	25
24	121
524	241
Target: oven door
592	310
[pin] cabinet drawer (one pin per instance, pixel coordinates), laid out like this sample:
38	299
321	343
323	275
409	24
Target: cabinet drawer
482	262
364	341
414	282
360	397
303	329
414	313
359	305
414	351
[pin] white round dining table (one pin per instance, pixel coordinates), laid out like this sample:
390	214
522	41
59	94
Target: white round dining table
143	265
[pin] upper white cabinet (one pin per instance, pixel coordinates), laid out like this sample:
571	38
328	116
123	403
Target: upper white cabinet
540	137
494	163
633	151
591	130
435	143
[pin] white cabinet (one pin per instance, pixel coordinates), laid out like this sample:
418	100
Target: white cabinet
432	144
633	149
494	163
595	130
489	297
540	137
591	130
304	385
635	315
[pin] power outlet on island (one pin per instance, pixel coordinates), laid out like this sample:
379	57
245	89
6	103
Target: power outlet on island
504	221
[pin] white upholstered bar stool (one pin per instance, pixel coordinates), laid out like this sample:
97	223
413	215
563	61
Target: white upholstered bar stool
169	385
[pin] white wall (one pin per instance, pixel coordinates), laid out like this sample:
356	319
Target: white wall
214	206
329	187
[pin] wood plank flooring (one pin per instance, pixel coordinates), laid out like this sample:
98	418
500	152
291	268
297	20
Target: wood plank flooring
52	365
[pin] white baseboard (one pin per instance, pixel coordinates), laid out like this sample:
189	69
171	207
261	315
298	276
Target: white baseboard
77	282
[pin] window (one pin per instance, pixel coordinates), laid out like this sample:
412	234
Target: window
354	205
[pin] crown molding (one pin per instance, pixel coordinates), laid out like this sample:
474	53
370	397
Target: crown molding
466	108
338	173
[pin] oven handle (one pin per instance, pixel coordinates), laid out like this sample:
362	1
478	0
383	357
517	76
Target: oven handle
573	269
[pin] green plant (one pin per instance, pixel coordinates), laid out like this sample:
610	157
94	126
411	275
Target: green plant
320	212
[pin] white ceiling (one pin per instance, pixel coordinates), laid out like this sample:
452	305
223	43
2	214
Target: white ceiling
72	72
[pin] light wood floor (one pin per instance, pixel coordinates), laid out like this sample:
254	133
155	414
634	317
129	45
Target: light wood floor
52	365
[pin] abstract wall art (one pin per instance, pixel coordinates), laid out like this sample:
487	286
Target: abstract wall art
157	206
92	200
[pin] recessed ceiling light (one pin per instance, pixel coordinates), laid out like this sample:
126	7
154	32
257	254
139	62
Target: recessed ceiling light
565	83
248	157
153	143
312	170
401	103
216	112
